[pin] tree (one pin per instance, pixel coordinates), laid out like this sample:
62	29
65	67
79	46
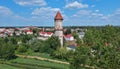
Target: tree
81	58
101	49
22	48
60	53
25	38
78	40
106	57
68	31
52	44
38	46
7	50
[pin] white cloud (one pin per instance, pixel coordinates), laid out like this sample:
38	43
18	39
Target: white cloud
97	10
97	14
31	2
92	5
5	11
117	11
76	5
46	11
115	17
82	13
9	18
44	15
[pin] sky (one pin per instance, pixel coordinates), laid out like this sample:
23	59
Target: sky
74	12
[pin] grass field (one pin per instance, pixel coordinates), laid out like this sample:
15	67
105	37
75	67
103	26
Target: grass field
43	55
35	62
4	66
28	63
25	63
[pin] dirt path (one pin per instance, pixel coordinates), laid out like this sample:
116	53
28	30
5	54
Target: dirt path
40	58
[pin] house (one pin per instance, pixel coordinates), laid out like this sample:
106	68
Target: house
2	29
69	37
71	47
49	34
10	31
81	35
29	32
2	34
10	34
45	34
18	33
41	33
23	29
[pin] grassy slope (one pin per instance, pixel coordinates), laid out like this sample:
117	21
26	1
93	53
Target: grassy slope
34	62
43	55
4	66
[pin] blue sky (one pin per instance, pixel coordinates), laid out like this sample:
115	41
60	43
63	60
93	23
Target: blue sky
74	12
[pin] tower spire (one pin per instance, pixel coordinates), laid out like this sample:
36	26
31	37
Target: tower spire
58	16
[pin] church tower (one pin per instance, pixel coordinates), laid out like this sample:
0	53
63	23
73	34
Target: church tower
58	27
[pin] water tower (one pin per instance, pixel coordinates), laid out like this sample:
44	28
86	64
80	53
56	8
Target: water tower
58	27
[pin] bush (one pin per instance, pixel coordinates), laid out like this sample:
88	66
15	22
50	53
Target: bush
22	48
52	44
38	46
7	51
63	54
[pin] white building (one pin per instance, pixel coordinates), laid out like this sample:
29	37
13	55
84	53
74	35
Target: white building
81	35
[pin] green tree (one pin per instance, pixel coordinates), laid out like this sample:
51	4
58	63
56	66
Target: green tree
22	48
38	46
60	53
101	49
68	31
52	44
81	58
78	40
7	50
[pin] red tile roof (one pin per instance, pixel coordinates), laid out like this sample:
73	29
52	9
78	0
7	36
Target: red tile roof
68	35
48	33
42	32
58	16
28	30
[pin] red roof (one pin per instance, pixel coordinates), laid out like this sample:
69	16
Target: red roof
4	30
58	16
49	33
28	30
68	35
42	32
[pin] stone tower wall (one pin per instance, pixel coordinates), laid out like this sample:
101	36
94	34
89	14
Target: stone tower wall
58	24
60	36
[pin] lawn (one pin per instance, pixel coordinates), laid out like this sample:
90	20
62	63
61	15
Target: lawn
4	66
43	55
34	63
26	63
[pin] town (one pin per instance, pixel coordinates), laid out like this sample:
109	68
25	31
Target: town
45	33
59	34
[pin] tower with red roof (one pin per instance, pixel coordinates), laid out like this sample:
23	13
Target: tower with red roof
58	27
